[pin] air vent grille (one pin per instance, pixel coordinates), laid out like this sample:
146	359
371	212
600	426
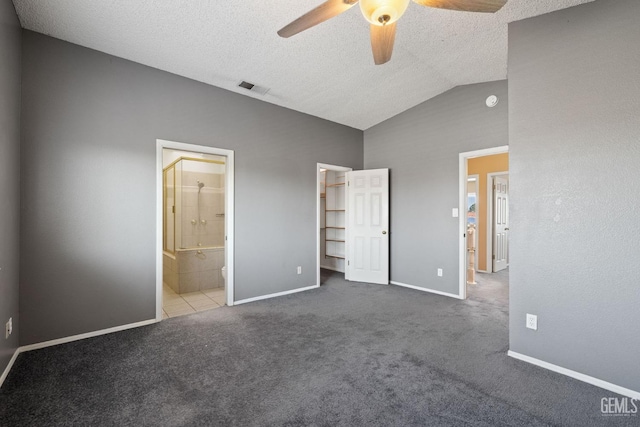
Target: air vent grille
246	85
253	88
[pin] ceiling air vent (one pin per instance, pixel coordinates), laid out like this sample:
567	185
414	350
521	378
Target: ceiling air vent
253	88
246	85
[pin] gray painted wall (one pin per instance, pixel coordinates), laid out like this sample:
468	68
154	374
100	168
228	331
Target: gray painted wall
10	35
421	148
90	123
574	108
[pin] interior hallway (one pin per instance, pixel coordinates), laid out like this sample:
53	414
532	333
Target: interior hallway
492	288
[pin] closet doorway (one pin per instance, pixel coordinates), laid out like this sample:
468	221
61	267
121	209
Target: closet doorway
331	219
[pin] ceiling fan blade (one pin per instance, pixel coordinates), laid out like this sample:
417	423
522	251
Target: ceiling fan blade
382	38
325	11
486	6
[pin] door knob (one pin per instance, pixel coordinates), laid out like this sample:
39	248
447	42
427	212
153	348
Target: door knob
506	229
384	232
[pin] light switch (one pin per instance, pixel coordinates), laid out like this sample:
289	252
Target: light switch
454	212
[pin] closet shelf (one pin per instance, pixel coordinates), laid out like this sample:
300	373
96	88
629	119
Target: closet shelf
334	212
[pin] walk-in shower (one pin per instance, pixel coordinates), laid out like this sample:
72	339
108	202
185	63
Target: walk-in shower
194	228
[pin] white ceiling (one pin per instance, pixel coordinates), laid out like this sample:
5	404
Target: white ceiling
326	71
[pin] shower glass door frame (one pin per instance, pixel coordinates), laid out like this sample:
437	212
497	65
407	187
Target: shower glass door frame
229	213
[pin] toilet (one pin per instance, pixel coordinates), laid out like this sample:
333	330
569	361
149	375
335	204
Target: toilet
224	275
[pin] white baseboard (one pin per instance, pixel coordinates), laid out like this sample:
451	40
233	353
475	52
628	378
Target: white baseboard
577	375
331	268
9	366
418	288
277	294
64	340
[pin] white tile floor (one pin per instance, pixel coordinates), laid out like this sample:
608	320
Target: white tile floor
174	304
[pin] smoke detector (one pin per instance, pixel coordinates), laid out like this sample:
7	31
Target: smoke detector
492	101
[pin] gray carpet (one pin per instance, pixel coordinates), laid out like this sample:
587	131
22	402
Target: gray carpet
491	289
346	354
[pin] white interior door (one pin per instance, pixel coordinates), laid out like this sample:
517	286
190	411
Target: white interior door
368	226
500	223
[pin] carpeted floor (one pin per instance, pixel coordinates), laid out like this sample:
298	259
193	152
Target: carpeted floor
346	354
491	289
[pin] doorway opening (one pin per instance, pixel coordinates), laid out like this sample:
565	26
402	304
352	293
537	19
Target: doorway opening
472	226
353	223
195	229
484	226
331	220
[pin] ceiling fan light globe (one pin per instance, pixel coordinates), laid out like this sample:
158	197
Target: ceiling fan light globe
383	12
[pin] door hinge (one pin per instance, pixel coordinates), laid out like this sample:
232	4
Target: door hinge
348	262
173	209
493	257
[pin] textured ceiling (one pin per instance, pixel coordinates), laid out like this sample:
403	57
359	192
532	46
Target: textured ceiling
326	71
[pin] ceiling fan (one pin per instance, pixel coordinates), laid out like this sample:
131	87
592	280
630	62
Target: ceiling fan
382	14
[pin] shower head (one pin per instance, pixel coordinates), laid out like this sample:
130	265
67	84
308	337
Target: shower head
200	184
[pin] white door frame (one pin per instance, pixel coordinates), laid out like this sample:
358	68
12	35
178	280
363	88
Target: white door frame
229	214
462	219
490	218
333	168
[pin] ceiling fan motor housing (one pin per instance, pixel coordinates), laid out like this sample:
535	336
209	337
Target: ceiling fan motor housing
383	12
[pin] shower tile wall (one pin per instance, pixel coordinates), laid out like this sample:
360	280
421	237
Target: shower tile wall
209	233
191	271
170	271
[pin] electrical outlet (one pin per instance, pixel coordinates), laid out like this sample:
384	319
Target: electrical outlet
9	328
439	272
532	321
299	269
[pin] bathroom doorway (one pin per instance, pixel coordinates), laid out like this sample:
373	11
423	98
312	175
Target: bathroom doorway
195	217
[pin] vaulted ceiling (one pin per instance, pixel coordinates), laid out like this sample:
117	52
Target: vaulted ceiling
326	71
